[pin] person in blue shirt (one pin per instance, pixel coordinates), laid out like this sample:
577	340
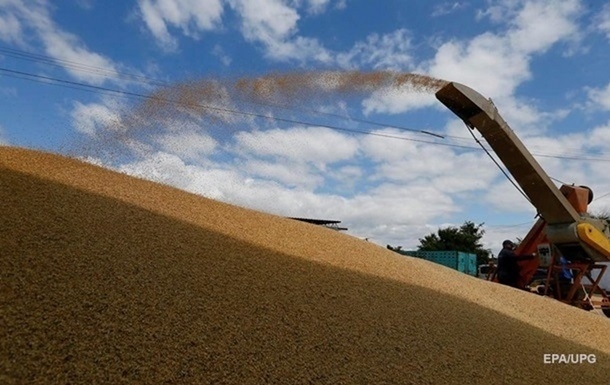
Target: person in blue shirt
566	279
566	273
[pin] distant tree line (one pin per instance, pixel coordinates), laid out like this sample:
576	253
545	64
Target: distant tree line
466	238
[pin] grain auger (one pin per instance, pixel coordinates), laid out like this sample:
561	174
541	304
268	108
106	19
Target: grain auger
563	229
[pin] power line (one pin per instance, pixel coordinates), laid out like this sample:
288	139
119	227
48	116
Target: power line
92	88
600	197
76	66
365	121
78	85
104	72
512	225
497	164
557	180
33	57
101	89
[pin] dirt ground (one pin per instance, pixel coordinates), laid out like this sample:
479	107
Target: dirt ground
110	279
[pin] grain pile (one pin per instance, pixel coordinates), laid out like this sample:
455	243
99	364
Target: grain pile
105	278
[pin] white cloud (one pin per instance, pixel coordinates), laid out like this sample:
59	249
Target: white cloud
603	21
494	64
600	97
274	24
266	20
600	138
347	176
290	174
394	101
389	52
190	16
408	185
571	168
170	169
506	198
485	63
220	53
65	46
228	184
317	6
316	145
90	118
448	7
535	25
560	145
86	4
155	23
438	166
382	149
10	28
298	48
396	204
68	49
540	24
191	144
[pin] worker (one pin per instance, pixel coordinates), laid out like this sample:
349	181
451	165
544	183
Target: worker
566	278
508	268
566	273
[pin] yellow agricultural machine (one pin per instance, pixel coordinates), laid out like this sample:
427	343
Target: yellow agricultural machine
565	236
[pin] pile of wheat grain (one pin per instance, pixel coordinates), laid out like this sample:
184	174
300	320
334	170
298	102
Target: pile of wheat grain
105	278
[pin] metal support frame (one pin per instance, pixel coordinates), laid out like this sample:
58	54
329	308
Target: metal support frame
579	270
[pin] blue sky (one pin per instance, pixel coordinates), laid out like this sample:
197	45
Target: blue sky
71	72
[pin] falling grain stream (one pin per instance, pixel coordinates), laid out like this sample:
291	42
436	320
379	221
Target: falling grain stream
222	106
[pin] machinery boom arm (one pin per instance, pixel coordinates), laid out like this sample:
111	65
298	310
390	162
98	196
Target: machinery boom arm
573	234
478	112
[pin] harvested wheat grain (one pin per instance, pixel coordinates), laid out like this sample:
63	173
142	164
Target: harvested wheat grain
107	278
221	106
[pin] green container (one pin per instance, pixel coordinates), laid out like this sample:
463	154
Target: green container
457	260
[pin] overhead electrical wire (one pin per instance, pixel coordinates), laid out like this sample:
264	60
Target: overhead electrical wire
73	65
76	66
496	163
33	57
601	196
95	70
517	187
78	85
48	80
557	180
512	225
103	72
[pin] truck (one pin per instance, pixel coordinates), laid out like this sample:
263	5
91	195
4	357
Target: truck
565	235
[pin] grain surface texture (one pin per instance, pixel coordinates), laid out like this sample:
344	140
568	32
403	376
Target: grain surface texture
109	279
